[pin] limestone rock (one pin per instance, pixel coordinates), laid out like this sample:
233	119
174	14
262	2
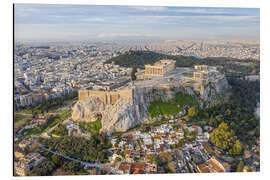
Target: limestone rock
119	117
88	109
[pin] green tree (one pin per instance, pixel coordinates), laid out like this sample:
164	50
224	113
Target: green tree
45	169
228	112
151	157
240	167
133	73
212	121
219	118
55	159
118	159
225	139
237	148
191	111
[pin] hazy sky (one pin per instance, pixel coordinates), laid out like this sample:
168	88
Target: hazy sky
87	22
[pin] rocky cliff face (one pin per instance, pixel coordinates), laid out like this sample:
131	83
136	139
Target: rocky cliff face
127	113
88	109
215	90
120	117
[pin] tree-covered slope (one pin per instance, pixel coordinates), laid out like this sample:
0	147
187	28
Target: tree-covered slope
140	58
228	65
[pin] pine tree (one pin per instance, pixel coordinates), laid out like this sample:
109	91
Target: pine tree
240	166
133	74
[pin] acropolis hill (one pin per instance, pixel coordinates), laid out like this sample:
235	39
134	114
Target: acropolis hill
126	106
160	68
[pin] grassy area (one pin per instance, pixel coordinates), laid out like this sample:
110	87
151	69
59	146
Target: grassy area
52	121
19	117
65	114
61	130
92	127
25	111
74	103
38	130
190	75
174	106
20	120
28	110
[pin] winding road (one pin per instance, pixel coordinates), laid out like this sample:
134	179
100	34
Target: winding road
86	164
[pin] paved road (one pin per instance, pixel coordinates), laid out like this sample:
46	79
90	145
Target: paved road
24	114
86	164
51	129
55	126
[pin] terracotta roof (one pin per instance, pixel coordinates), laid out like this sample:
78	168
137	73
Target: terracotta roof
149	146
207	147
223	163
138	171
212	165
139	165
216	166
137	168
124	166
203	168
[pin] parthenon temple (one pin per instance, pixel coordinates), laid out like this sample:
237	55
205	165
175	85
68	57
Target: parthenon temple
160	68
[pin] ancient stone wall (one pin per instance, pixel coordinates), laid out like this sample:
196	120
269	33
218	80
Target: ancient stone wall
107	97
83	94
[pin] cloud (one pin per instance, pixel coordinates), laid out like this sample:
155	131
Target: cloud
234	18
150	8
93	19
204	11
77	21
198	18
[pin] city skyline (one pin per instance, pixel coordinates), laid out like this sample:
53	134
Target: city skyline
40	22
